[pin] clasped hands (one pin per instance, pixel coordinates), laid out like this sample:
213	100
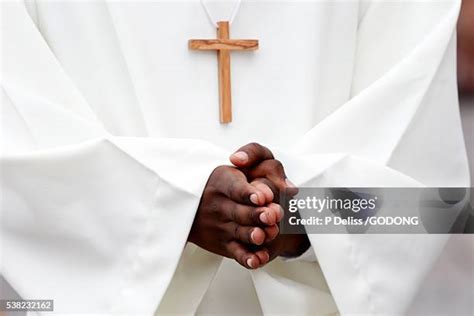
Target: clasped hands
238	214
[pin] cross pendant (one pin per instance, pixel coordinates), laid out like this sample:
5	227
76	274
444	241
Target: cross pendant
223	45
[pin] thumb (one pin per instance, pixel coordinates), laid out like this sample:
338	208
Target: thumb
250	155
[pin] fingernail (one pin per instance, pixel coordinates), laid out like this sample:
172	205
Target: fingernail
252	235
289	183
254	198
264	217
241	156
249	262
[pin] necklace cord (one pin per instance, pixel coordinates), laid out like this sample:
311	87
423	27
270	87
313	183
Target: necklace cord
213	21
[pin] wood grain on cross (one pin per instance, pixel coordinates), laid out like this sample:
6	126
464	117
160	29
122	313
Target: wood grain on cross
223	45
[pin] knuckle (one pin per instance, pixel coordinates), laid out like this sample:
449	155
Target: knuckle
207	194
275	166
216	177
224	233
237	231
214	207
223	212
255	149
233	212
231	188
258	150
219	170
254	145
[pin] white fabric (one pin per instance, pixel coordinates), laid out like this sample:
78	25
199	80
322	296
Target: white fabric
110	131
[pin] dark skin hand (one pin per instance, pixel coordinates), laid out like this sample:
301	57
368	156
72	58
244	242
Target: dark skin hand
287	246
238	219
233	214
259	165
466	47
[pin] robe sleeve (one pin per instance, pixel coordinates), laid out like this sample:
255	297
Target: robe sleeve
401	128
94	221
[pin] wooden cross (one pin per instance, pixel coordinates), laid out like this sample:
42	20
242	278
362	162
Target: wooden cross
223	44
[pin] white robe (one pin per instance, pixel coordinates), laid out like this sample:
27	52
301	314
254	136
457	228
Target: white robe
110	130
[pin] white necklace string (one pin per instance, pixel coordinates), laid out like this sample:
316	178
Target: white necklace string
213	21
